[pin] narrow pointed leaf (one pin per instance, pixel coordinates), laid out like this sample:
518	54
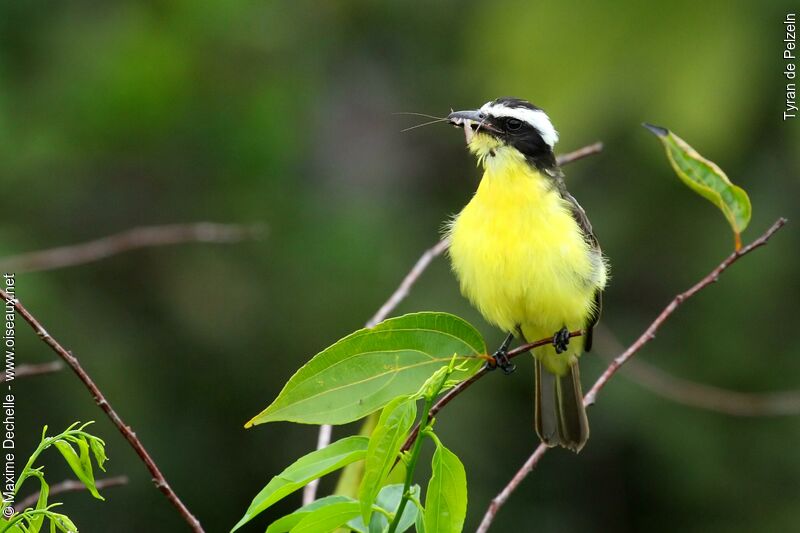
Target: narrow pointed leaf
384	445
99	451
446	498
62	522
365	370
80	464
36	522
328	518
306	469
706	179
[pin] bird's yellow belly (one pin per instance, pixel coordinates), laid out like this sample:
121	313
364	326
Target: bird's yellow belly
520	256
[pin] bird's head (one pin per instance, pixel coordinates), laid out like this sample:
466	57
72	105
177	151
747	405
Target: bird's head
505	126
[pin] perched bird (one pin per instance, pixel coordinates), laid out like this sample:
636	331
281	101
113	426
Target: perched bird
525	255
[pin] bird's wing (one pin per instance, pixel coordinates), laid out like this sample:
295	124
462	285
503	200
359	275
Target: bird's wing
592	320
586	228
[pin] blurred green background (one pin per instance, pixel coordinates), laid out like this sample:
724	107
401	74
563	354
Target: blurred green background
119	114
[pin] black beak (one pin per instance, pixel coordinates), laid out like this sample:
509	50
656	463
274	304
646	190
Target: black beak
457	118
477	120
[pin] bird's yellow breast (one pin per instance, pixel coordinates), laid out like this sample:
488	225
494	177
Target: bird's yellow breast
519	255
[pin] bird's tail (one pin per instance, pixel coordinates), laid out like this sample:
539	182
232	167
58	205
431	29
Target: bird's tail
560	415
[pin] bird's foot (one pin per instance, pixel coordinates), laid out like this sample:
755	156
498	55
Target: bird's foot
561	340
500	360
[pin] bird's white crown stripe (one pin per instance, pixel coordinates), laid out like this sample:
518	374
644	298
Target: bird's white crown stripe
535	117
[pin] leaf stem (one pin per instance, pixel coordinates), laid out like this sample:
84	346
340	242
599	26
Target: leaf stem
44	444
412	464
378	509
425	423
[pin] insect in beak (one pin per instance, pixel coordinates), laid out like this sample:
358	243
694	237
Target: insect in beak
470	121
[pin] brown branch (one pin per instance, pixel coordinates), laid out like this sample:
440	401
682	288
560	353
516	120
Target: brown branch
310	490
648	335
132	239
580	153
23	371
700	395
461	387
100	400
70	485
411	278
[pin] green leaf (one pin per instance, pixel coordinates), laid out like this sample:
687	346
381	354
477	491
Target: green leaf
706	179
282	525
62	522
365	370
434	384
80	464
99	451
36	521
446	498
306	469
384	445
389	499
328	518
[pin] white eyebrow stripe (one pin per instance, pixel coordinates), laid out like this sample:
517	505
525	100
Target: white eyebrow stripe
534	117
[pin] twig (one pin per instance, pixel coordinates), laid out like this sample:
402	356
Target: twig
23	371
648	335
310	490
580	153
701	395
132	239
461	387
70	485
323	439
405	286
100	400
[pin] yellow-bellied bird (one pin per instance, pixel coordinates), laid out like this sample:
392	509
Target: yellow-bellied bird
525	255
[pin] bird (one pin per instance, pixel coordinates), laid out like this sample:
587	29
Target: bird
525	255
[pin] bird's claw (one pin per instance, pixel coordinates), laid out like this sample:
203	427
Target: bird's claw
501	360
561	340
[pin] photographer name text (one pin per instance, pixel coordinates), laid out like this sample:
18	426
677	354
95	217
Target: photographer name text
790	55
7	399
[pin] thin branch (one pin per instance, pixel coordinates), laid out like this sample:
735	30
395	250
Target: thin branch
648	335
701	395
100	400
23	371
70	485
323	439
411	278
132	239
580	153
310	490
464	385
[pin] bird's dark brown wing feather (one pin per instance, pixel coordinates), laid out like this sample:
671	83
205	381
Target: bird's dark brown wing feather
586	228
